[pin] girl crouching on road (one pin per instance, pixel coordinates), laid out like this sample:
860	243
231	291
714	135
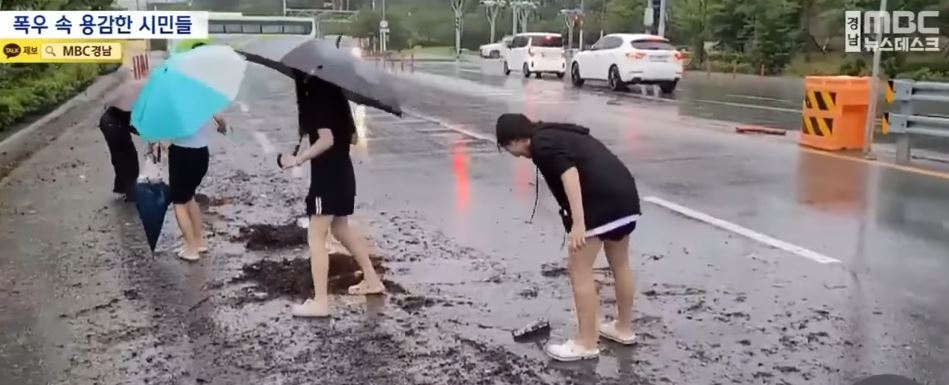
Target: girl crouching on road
325	117
599	205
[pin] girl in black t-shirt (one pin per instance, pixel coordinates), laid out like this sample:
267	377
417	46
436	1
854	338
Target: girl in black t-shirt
599	206
326	119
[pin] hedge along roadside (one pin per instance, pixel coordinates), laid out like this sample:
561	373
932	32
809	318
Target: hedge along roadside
32	89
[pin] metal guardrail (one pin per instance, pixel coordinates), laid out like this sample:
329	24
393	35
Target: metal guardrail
902	121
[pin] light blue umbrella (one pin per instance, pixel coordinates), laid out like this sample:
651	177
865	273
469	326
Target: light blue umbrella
185	92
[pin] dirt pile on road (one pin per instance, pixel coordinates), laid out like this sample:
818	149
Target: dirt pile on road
271	237
291	277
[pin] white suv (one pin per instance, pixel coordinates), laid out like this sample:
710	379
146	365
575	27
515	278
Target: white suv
536	53
623	59
494	50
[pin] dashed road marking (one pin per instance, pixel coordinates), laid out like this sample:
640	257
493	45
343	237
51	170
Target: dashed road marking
743	231
450	126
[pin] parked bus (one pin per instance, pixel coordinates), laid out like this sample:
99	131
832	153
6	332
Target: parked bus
233	27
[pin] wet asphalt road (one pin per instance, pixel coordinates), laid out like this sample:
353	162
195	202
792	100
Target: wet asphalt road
744	99
835	271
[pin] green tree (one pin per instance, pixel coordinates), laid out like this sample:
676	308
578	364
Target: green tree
771	25
366	25
624	16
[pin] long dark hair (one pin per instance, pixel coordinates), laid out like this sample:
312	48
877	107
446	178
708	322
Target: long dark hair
312	91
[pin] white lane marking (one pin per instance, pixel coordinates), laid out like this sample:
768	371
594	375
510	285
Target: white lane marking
753	106
743	231
754	97
449	125
471	71
264	142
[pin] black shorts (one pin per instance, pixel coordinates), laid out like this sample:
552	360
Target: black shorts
332	188
334	204
618	233
186	169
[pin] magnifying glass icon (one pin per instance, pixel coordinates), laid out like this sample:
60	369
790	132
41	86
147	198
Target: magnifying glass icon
50	51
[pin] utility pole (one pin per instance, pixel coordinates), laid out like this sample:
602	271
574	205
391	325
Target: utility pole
582	8
870	125
458	6
514	19
383	30
284	8
662	17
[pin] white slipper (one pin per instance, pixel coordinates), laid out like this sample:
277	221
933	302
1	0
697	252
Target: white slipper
569	351
188	257
310	309
608	331
362	288
181	248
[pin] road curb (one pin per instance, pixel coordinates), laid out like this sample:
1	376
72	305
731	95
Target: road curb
24	143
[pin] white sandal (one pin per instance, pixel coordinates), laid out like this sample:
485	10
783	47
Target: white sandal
310	309
362	288
569	352
608	331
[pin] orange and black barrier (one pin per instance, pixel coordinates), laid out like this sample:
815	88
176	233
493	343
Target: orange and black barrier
834	111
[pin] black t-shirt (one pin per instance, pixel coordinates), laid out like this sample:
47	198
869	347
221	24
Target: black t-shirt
323	105
607	187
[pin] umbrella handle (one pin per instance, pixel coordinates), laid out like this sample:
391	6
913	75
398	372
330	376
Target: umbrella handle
295	150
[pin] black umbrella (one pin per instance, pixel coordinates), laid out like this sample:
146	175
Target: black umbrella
361	82
152	198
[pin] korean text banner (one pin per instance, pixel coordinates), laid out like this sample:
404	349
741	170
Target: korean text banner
61	51
98	25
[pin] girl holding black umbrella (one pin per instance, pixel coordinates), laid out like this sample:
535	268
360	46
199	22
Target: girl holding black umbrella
326	119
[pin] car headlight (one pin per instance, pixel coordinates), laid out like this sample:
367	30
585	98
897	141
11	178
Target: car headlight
357	52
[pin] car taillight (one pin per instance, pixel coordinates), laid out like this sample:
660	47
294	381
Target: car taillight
530	51
679	56
636	55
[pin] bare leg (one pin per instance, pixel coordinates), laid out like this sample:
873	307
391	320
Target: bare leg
190	249
580	267
617	253
197	222
356	245
319	258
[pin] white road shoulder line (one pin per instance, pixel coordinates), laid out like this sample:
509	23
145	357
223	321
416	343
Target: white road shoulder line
743	231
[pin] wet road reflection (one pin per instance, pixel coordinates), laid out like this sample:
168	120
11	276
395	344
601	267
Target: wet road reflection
459	166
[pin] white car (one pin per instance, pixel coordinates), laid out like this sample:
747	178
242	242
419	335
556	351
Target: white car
536	53
495	50
622	59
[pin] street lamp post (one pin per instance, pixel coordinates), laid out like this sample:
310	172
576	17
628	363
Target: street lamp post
582	8
662	18
870	124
